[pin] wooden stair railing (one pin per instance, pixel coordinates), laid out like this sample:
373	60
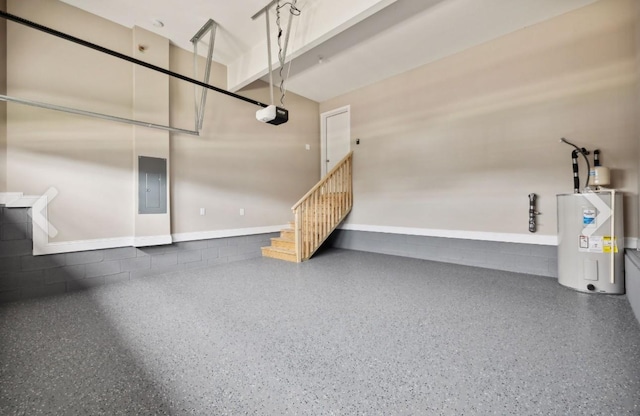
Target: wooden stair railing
323	208
317	214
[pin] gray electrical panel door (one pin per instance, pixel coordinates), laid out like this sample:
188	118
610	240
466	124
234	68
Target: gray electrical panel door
152	185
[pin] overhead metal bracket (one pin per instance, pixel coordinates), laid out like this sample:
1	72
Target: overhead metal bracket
118	55
265	10
77	111
209	27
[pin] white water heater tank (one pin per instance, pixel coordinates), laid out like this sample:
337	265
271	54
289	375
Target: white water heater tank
591	242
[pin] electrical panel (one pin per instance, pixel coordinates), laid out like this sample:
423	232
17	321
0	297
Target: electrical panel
152	185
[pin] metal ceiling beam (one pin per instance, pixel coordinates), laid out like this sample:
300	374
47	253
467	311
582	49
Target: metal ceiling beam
95	115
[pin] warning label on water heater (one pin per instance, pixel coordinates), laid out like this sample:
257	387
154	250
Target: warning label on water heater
597	244
589	218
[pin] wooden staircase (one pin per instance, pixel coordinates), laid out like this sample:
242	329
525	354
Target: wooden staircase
283	247
317	214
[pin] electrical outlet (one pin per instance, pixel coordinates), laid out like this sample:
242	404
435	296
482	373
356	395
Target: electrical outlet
241	211
203	211
307	146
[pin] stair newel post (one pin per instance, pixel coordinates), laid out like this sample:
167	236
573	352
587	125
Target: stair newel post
350	183
310	220
340	193
305	229
327	202
321	214
308	228
325	215
314	235
297	235
343	190
336	199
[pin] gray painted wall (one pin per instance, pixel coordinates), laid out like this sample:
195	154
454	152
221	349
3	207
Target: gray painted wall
522	258
24	276
632	280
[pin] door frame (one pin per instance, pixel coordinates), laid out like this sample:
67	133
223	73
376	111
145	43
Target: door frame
323	134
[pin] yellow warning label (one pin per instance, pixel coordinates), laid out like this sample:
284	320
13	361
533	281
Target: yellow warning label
608	244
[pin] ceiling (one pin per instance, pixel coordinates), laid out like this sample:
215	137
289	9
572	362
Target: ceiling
400	35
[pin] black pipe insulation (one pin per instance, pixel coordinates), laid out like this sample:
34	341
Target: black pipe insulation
574	156
576	175
102	49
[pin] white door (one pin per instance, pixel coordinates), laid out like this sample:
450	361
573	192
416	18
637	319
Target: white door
336	137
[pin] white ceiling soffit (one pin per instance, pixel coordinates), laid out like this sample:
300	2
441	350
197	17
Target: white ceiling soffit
360	41
411	33
318	22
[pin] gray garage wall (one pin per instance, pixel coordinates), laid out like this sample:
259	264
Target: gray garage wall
632	283
521	258
23	275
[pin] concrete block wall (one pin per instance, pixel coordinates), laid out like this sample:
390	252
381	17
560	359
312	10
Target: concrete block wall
521	258
23	275
632	280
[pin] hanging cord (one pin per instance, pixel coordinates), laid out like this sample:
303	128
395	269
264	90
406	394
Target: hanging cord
281	51
584	152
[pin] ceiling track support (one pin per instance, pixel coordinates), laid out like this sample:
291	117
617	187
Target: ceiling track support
96	115
209	27
265	10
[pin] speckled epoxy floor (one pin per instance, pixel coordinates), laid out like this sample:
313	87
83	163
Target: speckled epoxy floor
347	333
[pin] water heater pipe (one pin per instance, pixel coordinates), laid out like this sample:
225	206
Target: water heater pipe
584	152
613	236
576	175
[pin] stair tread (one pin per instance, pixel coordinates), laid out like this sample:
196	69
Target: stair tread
280	250
280	254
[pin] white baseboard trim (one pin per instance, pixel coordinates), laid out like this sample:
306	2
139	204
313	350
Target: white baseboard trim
6	197
18	200
81	245
26	201
41	226
104	243
40	248
545	240
153	240
238	232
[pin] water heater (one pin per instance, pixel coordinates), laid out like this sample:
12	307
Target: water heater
591	241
